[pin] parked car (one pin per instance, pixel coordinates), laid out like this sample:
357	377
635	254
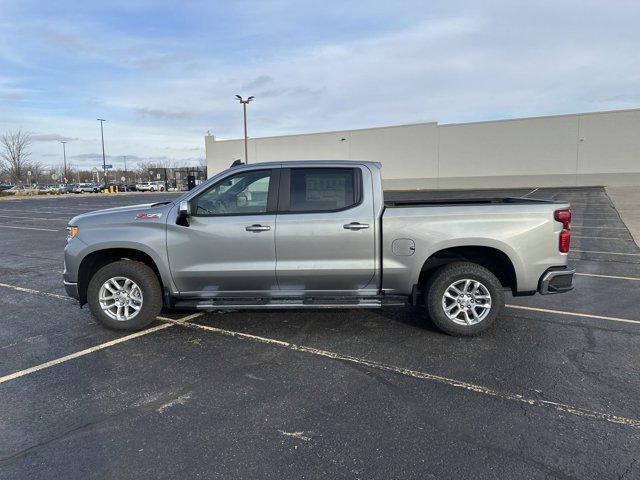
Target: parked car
150	186
67	188
315	235
131	187
5	187
119	186
86	188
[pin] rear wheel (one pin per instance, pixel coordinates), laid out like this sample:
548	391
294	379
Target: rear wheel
125	295
463	298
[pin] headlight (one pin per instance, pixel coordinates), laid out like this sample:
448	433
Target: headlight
72	232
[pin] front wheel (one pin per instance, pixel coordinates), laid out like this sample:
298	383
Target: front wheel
125	295
463	298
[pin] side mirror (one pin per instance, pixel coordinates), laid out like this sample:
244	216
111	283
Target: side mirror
184	209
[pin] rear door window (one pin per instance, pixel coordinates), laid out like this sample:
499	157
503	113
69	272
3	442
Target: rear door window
323	189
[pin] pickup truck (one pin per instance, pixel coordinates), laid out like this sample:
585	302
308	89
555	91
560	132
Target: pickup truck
315	234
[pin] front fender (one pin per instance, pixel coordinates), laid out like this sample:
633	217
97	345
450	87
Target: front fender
150	240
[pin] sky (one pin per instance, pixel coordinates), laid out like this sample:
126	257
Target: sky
163	74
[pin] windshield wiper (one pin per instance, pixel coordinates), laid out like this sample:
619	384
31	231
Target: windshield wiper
158	204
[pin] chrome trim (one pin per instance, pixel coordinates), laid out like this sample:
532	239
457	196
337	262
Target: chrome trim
549	275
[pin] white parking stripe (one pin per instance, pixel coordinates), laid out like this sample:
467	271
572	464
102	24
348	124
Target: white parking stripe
35	218
606	253
82	353
615	277
603	238
30	228
450	382
580	227
102	346
35	292
573	314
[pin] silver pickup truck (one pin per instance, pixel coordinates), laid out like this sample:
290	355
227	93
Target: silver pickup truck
315	234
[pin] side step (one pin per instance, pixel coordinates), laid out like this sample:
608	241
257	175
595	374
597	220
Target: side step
292	303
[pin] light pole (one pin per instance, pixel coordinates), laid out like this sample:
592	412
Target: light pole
104	161
64	155
125	167
244	108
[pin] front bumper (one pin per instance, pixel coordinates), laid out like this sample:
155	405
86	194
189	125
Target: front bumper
72	289
556	280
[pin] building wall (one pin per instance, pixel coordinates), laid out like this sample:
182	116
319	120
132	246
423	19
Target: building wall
600	148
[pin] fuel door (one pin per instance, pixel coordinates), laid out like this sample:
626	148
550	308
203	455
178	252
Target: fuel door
403	247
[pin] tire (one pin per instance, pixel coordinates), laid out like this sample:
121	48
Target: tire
148	296
473	317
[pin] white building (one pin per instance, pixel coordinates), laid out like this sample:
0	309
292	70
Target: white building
601	148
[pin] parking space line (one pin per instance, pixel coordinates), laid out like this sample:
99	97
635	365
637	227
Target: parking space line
605	253
451	382
579	227
31	228
614	277
603	238
36	218
573	314
35	292
84	352
168	324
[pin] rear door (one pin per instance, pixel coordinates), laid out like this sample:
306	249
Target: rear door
325	231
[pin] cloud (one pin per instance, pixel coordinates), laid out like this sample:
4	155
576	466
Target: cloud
51	137
162	114
258	82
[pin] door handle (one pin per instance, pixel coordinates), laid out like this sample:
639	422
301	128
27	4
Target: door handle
355	226
257	228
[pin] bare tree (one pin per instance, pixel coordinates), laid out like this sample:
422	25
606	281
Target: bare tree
37	170
14	152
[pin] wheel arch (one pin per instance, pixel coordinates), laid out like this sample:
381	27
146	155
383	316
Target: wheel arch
97	259
491	258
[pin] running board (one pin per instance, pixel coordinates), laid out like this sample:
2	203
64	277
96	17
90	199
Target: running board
292	303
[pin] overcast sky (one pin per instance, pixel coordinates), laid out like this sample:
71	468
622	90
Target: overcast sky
163	73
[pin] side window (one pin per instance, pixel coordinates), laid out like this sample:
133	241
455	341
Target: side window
323	189
242	194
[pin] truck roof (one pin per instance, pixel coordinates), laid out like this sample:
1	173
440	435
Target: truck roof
314	162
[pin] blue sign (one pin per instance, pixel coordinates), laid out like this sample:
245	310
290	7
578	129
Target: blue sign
108	166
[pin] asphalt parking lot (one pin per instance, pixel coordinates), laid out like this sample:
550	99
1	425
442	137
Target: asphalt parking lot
550	392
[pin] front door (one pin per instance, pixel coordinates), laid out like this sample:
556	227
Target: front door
325	232
228	245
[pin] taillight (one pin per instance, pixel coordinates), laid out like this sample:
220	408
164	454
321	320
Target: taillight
564	217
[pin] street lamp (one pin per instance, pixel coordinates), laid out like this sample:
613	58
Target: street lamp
104	161
244	108
64	154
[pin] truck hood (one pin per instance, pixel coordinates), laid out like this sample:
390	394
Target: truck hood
121	214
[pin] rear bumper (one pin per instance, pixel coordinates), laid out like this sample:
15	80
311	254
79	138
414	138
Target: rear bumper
556	280
72	289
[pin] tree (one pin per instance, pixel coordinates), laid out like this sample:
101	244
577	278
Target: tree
14	152
37	170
